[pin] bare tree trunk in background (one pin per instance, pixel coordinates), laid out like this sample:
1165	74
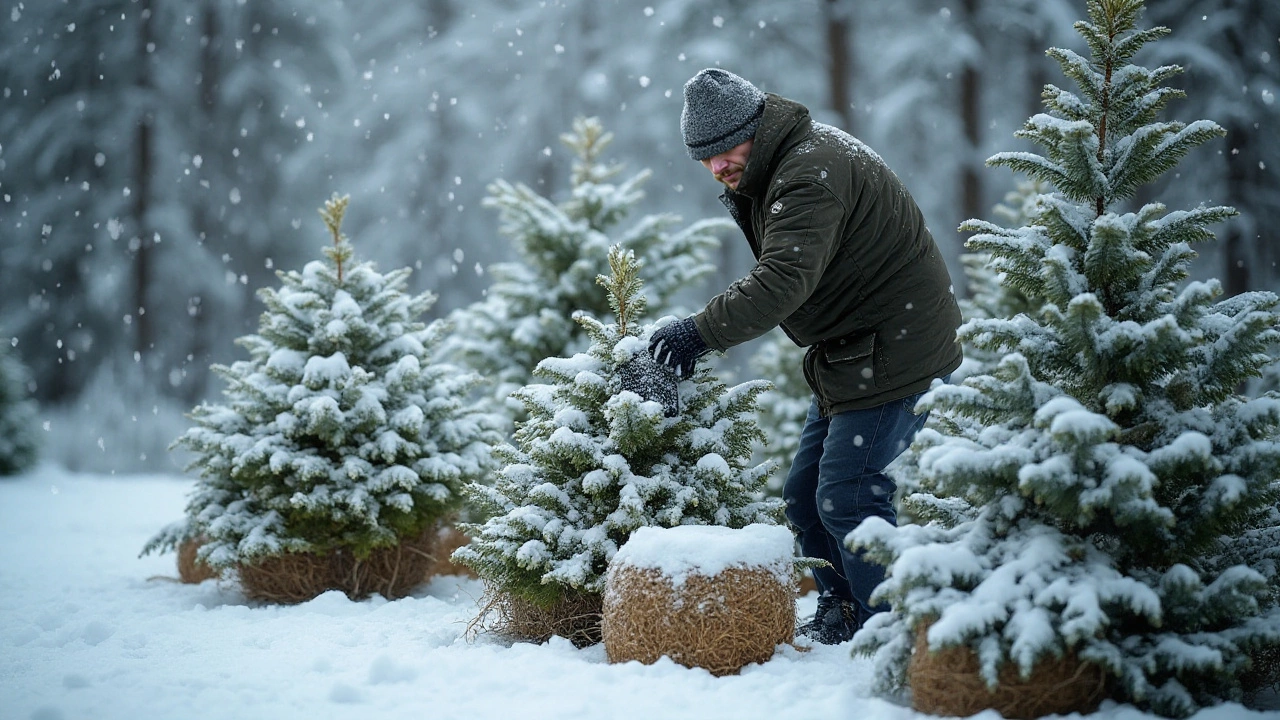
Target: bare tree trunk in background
438	214
1242	182
202	215
840	60
971	205
1235	261
142	260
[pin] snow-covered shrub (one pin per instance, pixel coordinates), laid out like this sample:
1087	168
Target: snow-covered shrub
560	249
339	432
784	408
18	439
593	462
1113	489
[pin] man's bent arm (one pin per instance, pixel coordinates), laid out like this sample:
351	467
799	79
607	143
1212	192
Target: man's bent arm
799	241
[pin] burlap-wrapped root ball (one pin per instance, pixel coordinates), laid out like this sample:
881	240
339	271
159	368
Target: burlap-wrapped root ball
709	597
948	682
297	577
191	569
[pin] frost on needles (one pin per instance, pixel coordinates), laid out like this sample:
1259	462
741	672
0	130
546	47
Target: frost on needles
339	431
593	462
1102	490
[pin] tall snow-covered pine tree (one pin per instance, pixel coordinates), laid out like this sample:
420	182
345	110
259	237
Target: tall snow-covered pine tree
1112	482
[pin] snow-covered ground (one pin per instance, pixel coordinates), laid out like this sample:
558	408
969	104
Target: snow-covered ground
89	630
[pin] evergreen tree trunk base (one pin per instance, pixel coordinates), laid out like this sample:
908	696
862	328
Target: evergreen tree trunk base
721	623
450	538
297	577
1263	678
948	682
192	570
575	616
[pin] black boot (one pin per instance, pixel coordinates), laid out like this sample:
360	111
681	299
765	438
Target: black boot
835	621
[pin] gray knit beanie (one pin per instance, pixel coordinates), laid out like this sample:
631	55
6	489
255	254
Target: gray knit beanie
721	110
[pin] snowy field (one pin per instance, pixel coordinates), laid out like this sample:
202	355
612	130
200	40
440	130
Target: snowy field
90	631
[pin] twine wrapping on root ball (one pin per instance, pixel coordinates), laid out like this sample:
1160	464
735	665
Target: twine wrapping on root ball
297	577
706	596
720	623
192	569
575	617
948	682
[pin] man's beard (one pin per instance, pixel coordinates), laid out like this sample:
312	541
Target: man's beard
731	173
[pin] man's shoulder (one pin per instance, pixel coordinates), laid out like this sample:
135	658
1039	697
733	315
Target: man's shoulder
828	157
830	142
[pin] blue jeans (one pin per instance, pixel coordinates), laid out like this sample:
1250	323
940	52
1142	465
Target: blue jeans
837	480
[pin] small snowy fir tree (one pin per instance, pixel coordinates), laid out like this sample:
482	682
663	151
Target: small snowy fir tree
595	462
526	315
18	442
339	431
1115	491
783	409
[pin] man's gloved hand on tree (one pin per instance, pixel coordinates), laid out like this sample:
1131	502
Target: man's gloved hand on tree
678	346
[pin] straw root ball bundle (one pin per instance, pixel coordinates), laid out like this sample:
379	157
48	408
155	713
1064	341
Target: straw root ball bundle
192	569
575	616
297	577
708	597
948	682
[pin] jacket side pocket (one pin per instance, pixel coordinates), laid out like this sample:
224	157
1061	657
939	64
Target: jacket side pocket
853	363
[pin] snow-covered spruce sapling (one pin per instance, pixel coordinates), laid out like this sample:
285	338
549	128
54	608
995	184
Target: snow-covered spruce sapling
592	462
784	408
561	248
1114	486
339	431
19	443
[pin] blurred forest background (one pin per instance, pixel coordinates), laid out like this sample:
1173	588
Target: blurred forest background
160	160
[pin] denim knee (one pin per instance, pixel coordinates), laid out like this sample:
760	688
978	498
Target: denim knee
801	512
842	506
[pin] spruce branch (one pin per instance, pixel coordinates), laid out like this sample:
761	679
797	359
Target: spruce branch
588	142
332	212
623	286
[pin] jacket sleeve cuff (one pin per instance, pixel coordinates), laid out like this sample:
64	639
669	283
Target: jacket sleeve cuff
709	336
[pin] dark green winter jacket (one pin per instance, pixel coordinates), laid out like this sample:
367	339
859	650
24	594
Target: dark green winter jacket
844	263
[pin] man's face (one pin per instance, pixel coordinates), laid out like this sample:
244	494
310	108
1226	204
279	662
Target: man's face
727	167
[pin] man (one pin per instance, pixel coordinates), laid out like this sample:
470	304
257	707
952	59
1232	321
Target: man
845	264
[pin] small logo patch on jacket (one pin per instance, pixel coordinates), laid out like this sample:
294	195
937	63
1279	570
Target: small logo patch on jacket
776	207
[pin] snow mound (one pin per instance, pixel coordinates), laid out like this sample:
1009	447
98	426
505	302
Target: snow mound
708	550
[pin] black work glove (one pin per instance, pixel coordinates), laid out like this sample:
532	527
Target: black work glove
678	346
